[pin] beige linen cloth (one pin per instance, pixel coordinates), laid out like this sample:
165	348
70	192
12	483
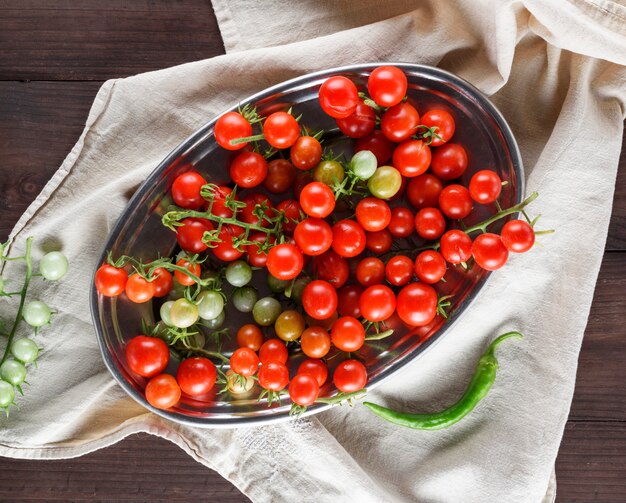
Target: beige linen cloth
555	69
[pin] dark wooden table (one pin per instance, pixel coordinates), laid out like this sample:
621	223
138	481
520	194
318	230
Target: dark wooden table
54	55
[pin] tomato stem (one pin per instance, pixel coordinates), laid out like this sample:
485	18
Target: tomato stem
247	139
341	397
18	316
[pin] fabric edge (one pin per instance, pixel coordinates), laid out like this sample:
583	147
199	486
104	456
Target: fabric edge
228	29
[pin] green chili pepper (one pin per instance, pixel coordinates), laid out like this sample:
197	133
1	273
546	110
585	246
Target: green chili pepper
483	378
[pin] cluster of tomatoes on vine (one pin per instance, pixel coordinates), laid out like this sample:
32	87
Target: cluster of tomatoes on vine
343	219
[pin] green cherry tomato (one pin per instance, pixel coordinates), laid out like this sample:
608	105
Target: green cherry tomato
210	304
24	350
245	298
161	330
363	164
329	172
7	394
36	313
53	265
238	273
298	287
164	312
266	311
385	182
13	372
216	323
277	285
183	313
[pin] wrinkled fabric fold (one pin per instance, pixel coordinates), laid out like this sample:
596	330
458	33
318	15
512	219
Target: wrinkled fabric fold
543	66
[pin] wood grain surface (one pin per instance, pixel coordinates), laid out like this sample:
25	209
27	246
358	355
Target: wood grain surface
54	55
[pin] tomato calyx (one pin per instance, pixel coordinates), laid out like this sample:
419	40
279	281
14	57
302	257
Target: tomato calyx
272	396
429	134
443	303
371	103
250	113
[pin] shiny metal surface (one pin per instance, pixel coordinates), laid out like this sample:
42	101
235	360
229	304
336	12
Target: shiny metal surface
139	232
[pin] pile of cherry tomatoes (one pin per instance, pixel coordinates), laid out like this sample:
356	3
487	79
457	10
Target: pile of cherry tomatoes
345	244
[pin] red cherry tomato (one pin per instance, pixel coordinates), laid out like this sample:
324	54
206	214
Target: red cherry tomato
348	300
347	334
232	126
306	153
244	362
281	130
387	85
281	175
110	281
291	209
489	252
331	267
273	376
423	191
417	304
304	390
248	169
189	234
186	190
370	271
456	246
255	202
430	223
257	257
399	270
185	279
196	376
163	282
218	207
518	236
400	122
284	261
444	124
373	214
313	236
338	97
224	250
348	238
317	200
316	368
455	201
402	222
378	242
377	143
412	158
350	376
449	161
315	342
138	289
430	266
162	391
319	299
485	186
360	123
147	356
377	303
273	350
250	336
